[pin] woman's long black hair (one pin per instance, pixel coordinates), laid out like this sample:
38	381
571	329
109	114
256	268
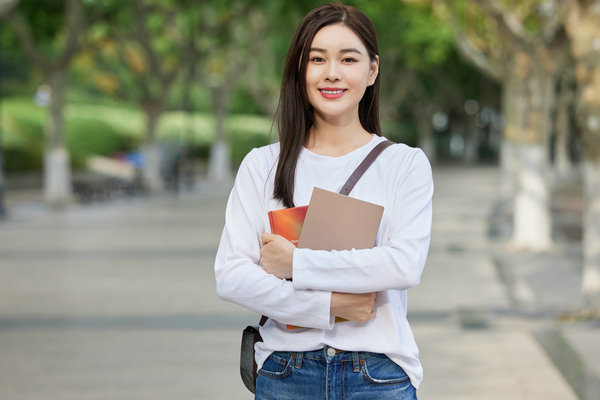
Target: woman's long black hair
294	113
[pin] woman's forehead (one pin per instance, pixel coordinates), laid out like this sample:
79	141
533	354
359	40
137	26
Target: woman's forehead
337	37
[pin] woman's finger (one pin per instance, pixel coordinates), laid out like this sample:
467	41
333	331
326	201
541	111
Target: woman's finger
266	238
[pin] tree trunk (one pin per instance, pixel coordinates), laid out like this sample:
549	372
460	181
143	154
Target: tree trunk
219	168
582	25
532	221
588	117
471	153
151	169
591	232
509	164
514	107
57	169
188	159
529	125
562	159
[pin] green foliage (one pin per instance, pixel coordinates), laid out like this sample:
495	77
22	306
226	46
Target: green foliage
409	33
15	69
105	129
23	137
242	102
46	20
94	136
113	75
401	131
242	142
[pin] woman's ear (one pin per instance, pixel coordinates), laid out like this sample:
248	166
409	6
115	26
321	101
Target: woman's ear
373	71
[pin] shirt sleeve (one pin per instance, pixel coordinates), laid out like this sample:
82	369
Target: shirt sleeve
239	277
397	263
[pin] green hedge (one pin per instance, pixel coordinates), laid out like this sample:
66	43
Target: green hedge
92	129
23	143
90	136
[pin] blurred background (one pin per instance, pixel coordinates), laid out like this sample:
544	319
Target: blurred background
122	124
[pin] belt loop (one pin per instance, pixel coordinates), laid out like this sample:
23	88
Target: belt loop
355	361
299	356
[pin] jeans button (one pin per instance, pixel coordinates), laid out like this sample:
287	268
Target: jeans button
331	352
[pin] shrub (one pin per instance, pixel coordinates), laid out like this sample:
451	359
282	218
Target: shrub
242	142
24	142
92	136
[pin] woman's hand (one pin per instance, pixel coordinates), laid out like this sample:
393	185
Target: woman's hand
277	254
352	306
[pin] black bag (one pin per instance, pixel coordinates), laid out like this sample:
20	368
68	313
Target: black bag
251	335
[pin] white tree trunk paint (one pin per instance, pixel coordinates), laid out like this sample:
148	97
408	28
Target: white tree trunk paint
57	177
151	167
219	167
532	222
591	231
508	164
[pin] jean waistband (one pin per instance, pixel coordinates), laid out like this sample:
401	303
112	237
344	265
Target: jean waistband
329	352
330	355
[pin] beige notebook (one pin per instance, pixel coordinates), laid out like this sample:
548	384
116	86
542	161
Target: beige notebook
337	222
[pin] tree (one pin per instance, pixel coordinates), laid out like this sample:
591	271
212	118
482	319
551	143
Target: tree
413	42
267	42
5	7
424	78
583	28
51	35
223	53
140	50
524	49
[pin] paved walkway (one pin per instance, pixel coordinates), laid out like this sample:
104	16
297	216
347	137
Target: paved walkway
117	301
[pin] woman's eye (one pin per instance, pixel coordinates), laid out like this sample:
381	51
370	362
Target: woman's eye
350	60
317	59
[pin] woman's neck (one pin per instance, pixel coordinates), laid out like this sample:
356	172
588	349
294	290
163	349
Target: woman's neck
336	139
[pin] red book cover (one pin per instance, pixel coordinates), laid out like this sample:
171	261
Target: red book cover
287	222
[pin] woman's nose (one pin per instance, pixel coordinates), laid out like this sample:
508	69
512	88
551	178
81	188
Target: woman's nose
332	73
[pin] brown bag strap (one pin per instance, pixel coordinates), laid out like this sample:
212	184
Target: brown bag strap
349	185
362	168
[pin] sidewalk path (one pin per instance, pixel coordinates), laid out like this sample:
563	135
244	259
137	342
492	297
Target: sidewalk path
473	346
117	301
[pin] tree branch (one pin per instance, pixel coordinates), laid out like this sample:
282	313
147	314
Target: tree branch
490	67
553	24
21	29
6	6
75	26
141	36
508	23
485	64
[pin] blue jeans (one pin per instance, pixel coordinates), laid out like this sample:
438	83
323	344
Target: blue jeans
327	374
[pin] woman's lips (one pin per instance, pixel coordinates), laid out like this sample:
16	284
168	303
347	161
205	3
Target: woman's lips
332	93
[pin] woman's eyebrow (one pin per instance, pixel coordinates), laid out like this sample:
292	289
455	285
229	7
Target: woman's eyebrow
348	50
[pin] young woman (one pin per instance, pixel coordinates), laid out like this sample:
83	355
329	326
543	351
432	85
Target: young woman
328	122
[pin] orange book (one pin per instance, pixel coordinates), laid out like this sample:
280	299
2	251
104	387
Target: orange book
287	222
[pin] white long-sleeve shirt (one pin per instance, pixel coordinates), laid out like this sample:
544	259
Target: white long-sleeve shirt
399	180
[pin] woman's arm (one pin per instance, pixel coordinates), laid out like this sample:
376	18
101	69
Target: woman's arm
276	254
238	276
352	306
397	263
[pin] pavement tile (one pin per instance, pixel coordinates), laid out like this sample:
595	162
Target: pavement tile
117	301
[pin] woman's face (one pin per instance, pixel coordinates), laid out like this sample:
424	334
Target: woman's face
338	72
